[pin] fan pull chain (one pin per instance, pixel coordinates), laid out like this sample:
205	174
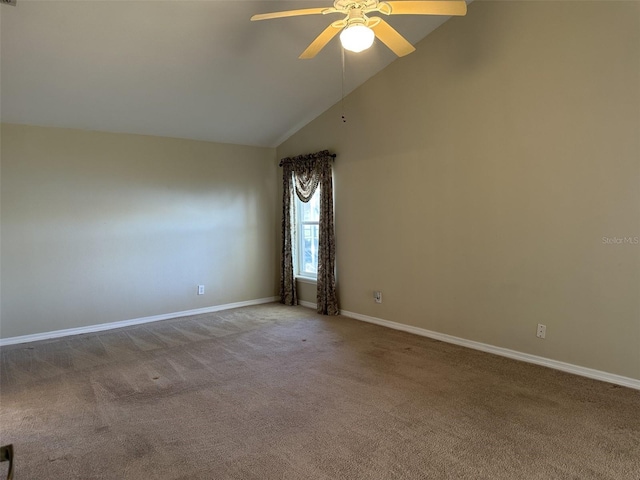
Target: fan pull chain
344	120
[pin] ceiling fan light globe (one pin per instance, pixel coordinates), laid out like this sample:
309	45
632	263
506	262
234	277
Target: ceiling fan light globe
356	38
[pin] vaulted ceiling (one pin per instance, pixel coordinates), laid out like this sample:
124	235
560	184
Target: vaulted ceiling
179	68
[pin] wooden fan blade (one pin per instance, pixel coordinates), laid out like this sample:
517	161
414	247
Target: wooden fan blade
392	39
437	7
288	13
320	42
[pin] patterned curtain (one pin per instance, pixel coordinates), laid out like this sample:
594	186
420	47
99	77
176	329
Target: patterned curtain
303	174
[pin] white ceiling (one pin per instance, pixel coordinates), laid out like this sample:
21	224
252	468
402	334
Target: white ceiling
179	68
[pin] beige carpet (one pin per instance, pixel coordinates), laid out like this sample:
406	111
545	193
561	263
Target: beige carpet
276	392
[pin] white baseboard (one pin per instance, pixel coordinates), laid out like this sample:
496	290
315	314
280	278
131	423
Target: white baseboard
127	323
302	303
503	352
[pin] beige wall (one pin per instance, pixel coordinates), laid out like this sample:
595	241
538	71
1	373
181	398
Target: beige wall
476	179
103	227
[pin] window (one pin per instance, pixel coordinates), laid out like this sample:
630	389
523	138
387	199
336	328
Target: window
307	223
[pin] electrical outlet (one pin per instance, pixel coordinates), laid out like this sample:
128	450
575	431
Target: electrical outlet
200	289
377	296
542	331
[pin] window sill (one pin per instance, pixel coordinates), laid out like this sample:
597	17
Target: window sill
310	280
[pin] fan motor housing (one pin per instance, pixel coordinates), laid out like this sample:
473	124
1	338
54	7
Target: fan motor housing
351	5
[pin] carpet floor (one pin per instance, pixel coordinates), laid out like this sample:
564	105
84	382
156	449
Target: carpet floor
274	392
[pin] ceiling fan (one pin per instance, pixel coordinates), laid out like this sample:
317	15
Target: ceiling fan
358	29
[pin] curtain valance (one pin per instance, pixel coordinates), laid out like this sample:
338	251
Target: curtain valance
307	171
